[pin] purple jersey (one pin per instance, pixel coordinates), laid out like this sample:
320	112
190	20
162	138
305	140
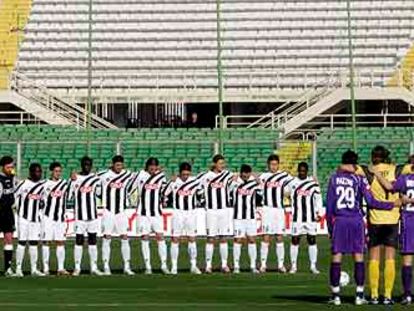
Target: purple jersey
405	185
345	195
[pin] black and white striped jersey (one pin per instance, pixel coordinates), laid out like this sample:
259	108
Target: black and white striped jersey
115	189
306	200
186	195
243	195
274	186
28	196
84	190
150	191
54	199
216	189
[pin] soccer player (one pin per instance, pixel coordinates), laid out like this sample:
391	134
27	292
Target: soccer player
151	184
7	225
115	182
345	219
382	227
273	220
404	185
243	193
28	197
84	188
53	218
216	191
306	200
185	191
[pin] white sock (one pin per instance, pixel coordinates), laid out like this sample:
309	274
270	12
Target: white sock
294	251
106	252
192	253
175	248
146	254
252	254
19	256
78	256
162	252
126	254
313	255
209	254
45	257
33	257
60	255
224	254
264	251
236	255
93	257
280	253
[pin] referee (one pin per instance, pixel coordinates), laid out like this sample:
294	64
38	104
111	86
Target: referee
7	226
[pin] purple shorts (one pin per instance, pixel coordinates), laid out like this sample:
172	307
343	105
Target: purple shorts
407	233
348	236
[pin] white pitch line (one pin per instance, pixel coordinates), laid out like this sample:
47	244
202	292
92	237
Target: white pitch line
143	304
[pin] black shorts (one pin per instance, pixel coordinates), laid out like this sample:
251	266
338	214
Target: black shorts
7	220
386	235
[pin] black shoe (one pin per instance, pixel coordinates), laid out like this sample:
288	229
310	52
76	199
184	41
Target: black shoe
374	301
388	302
407	300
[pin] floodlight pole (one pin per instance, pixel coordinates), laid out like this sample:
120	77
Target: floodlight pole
219	75
89	95
351	77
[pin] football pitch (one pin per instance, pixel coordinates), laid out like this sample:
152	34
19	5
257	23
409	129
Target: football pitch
270	291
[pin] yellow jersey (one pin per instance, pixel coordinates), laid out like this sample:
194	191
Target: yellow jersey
381	217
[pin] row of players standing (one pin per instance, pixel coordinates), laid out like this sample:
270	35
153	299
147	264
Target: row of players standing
41	208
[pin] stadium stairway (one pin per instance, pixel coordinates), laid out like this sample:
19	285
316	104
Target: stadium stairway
66	144
14	15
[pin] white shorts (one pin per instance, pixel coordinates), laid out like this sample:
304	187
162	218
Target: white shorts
86	226
53	230
28	231
114	223
304	228
245	228
273	220
219	222
148	224
184	223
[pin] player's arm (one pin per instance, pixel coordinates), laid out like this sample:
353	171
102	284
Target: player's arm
369	197
381	179
318	203
330	206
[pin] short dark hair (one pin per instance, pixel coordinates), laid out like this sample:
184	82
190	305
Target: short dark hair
6	160
151	161
217	158
245	168
304	165
381	152
185	166
273	157
349	157
54	165
117	158
86	159
33	167
411	159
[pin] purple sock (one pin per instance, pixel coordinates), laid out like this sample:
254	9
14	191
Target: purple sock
407	275
359	273
335	273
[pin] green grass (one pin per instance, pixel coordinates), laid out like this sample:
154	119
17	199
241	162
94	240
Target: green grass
270	291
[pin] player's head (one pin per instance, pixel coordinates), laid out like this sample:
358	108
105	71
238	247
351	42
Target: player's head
245	172
303	169
380	155
7	165
117	163
55	169
219	163
86	164
35	171
152	165
185	171
273	163
349	160
411	159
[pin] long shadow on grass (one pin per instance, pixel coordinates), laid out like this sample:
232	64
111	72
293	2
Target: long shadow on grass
315	299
